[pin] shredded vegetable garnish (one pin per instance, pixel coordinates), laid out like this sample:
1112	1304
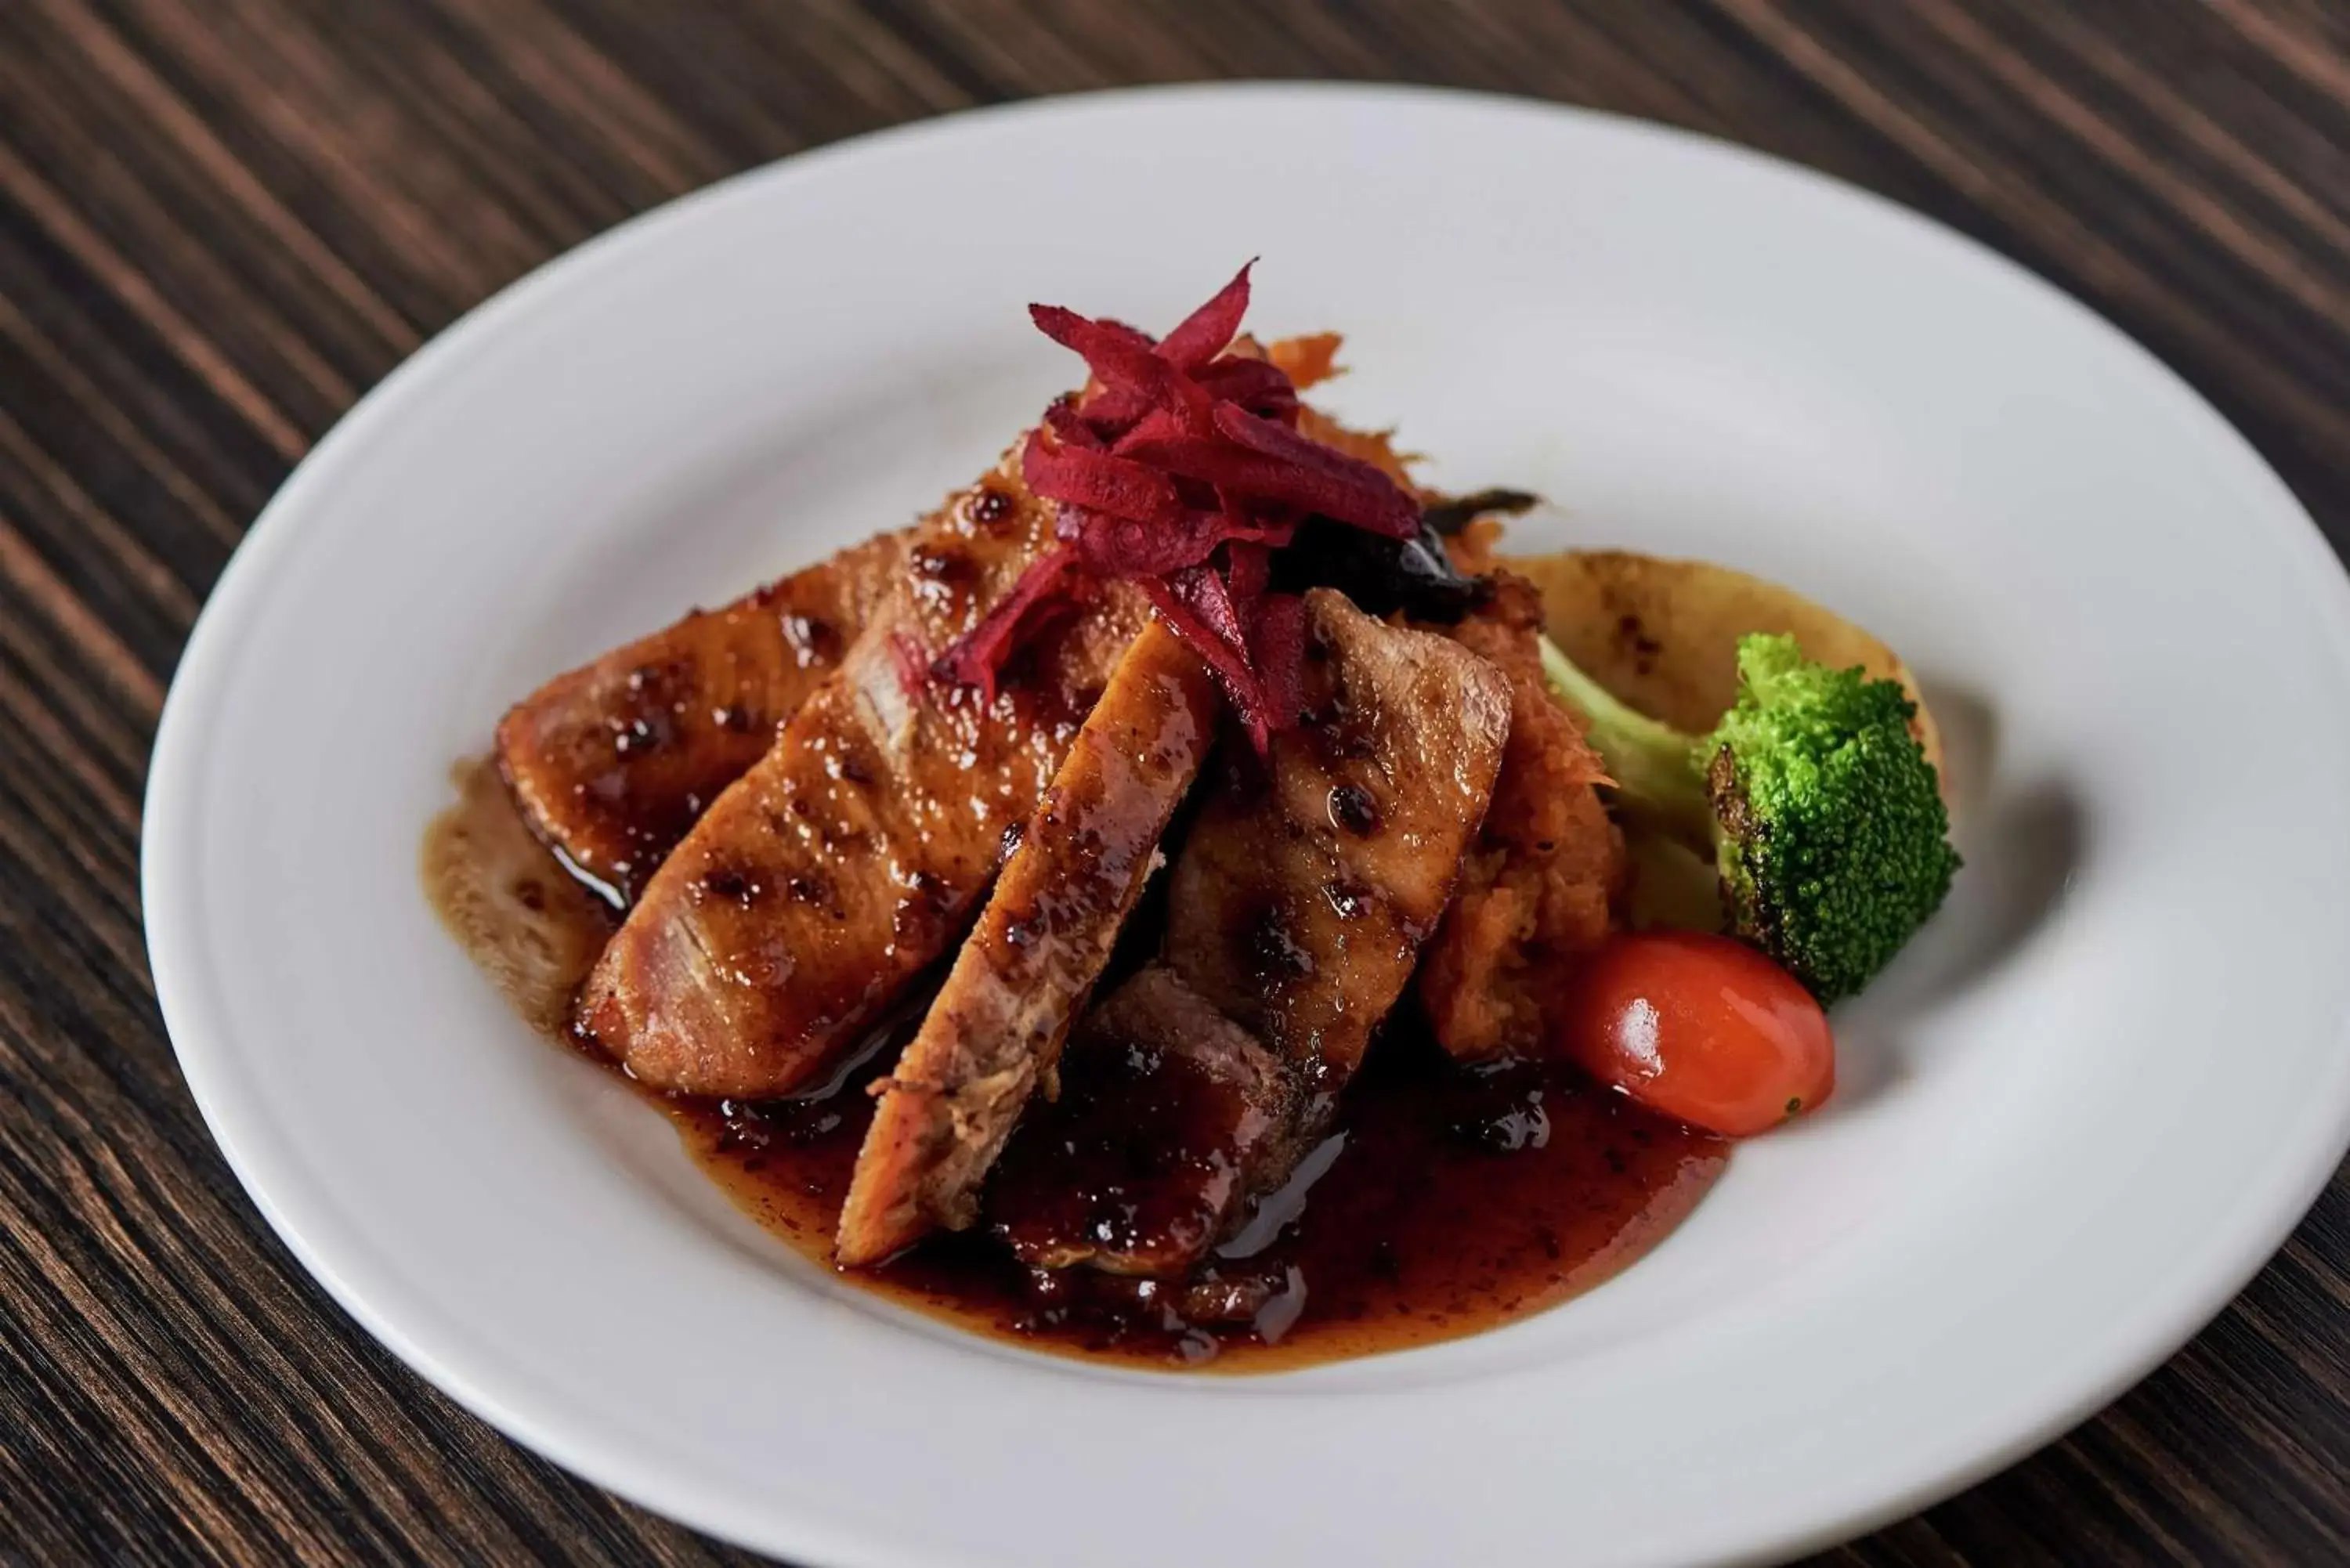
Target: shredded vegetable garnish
1180	469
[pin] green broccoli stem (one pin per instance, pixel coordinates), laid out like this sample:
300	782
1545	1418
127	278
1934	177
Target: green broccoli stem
1659	775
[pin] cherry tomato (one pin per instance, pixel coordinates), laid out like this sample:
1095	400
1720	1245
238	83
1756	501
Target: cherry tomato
1701	1028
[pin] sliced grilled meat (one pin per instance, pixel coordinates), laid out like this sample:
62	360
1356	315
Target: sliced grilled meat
613	762
1167	1107
1304	891
846	859
995	1030
1296	909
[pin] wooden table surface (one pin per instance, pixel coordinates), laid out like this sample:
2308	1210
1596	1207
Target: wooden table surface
221	221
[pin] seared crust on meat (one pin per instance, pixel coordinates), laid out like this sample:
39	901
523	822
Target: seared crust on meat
1549	866
1296	912
782	928
995	1030
612	762
1171	1106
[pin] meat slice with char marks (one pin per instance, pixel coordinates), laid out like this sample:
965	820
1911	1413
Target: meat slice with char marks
1296	912
845	861
612	762
995	1029
1167	1107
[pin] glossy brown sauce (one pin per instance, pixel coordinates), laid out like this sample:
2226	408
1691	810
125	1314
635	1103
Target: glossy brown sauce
1449	1199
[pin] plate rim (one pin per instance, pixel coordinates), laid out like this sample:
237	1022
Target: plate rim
188	992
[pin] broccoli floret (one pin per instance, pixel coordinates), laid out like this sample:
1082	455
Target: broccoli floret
1815	802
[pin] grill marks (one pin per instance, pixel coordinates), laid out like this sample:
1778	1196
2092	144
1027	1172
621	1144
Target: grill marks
613	762
1200	1082
996	1031
880	814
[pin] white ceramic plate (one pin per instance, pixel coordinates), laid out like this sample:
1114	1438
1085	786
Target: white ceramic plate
2077	1115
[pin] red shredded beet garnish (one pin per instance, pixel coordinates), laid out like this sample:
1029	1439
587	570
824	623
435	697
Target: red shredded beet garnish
1197	608
1277	647
1258	386
1100	481
1152	424
1370	500
1061	418
1181	470
1388	509
1248	569
1202	336
1111	411
1124	361
1203	591
979	654
1086	334
1121	547
1112	546
913	668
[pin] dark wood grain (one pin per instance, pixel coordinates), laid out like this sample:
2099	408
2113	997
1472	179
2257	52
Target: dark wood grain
223	220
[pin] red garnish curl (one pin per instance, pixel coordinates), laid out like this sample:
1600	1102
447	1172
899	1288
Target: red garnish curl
1181	470
1203	334
1277	632
1374	501
979	654
1099	480
1370	501
1257	384
1197	606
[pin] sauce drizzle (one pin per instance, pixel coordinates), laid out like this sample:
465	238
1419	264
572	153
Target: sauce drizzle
1452	1199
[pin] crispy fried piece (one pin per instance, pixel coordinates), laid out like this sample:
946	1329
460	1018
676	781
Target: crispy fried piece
995	1030
1295	914
1308	360
613	762
849	857
1549	866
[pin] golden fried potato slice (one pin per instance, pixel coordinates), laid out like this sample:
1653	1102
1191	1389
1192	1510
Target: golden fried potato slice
1663	635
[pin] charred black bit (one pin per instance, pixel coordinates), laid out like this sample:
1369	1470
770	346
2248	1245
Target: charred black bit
813	641
942	565
1271	951
1382	576
990	506
1347	899
928	888
1353	810
1449	517
727	882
